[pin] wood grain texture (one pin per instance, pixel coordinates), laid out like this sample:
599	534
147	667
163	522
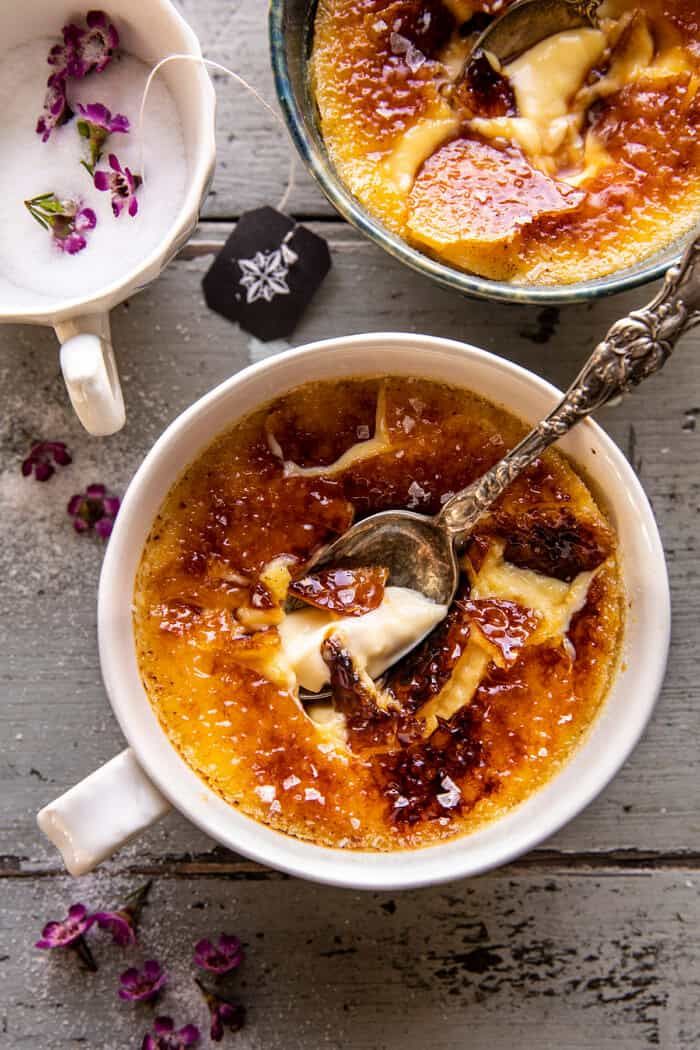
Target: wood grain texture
254	149
572	963
589	942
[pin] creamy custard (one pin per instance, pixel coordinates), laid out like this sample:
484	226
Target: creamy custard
579	158
406	753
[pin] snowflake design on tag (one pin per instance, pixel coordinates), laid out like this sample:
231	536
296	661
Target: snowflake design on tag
265	275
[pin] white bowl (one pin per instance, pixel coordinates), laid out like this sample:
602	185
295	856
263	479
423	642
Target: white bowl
93	819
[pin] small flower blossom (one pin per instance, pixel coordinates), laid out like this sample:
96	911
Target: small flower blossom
224	1014
96	509
122	184
70	933
164	1037
42	457
67	220
56	108
96	125
85	49
123	922
219	959
142	985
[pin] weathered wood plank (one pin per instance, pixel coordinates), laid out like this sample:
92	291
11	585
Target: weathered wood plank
55	720
254	151
567	963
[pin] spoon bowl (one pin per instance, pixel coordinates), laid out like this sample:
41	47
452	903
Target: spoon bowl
528	22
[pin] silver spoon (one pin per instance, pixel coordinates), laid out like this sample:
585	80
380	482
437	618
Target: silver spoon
420	552
528	22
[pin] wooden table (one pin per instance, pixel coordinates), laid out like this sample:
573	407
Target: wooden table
592	941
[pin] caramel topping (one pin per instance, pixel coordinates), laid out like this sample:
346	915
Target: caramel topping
466	726
348	592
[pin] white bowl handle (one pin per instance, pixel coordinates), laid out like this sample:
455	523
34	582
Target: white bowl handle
90	373
102	813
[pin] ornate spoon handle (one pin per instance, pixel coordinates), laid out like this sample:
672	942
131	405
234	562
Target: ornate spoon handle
636	347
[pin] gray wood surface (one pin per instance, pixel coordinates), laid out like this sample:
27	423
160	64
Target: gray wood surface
590	941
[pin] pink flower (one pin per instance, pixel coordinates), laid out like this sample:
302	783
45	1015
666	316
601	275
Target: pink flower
96	125
138	986
219	959
122	184
96	509
39	461
224	1013
70	933
67	220
164	1036
85	49
122	923
56	108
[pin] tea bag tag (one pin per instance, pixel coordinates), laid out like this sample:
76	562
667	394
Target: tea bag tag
266	274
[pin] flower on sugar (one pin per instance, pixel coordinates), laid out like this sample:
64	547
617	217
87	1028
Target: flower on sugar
56	108
85	49
95	509
164	1037
96	125
42	457
224	1014
227	955
122	923
67	220
70	933
139	986
122	184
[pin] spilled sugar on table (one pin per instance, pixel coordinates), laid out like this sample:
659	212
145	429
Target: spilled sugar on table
590	941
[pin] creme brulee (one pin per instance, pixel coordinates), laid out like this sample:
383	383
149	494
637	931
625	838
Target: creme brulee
579	158
406	753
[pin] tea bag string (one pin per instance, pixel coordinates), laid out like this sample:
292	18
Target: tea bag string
284	200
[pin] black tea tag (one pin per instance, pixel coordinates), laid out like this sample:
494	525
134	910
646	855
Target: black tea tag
266	274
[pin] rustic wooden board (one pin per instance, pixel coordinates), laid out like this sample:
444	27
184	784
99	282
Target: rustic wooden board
254	150
575	963
590	941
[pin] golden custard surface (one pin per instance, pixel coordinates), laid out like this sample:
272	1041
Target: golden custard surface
483	713
604	121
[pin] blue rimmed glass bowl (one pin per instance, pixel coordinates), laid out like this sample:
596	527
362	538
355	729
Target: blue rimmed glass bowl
291	37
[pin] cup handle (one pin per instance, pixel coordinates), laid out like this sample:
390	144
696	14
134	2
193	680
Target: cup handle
90	373
102	813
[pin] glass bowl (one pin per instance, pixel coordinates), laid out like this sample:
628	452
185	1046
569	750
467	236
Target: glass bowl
291	37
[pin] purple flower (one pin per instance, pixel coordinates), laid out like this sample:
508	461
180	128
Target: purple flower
164	1036
70	933
96	509
96	125
223	958
67	220
224	1014
122	184
56	108
122	923
142	985
85	49
39	461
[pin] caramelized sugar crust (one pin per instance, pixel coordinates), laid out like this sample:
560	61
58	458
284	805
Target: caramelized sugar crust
377	76
208	649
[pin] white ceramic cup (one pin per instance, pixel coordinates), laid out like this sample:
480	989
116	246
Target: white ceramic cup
127	794
150	30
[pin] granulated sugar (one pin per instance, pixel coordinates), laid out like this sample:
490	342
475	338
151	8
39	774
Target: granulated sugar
28	167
